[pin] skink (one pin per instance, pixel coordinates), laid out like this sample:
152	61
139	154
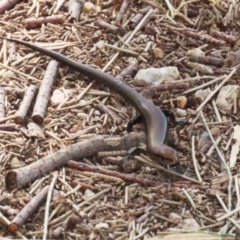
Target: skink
154	119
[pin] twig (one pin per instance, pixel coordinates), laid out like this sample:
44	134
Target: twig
204	85
216	90
20	73
223	161
161	168
47	208
25	105
195	164
130	37
2	104
49	79
28	210
32	22
189	198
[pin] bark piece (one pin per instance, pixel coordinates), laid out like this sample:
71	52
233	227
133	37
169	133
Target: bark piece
21	114
31	23
22	177
2	103
75	9
48	81
28	210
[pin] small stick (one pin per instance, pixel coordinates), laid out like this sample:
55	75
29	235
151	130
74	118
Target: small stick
164	87
20	73
33	22
103	108
189	198
126	177
216	90
216	111
49	196
204	85
139	26
21	114
195	164
48	81
222	160
28	210
75	8
106	26
122	11
2	104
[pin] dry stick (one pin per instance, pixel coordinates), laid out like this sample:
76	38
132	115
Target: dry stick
59	5
122	11
33	22
28	210
223	161
49	78
126	177
205	84
161	168
7	5
20	73
103	108
216	90
49	196
129	71
75	9
19	178
106	26
164	87
195	160
79	97
189	198
11	127
226	210
130	37
130	177
2	103
21	114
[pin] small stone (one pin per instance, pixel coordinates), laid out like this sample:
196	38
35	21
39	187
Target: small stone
175	217
215	131
201	95
88	193
181	112
155	76
189	223
181	102
158	53
89	7
57	97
